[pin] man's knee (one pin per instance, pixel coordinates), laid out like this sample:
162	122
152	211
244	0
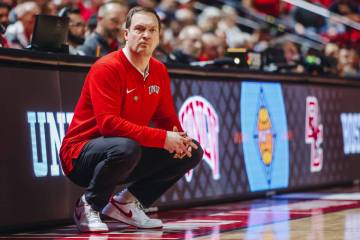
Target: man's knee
125	150
132	149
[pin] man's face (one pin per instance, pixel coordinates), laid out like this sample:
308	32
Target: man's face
77	25
28	20
4	19
143	34
192	43
76	34
211	50
112	22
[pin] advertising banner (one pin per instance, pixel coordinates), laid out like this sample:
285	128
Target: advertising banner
257	136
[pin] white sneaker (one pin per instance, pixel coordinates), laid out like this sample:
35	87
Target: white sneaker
130	213
87	219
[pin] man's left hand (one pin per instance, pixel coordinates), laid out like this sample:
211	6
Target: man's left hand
189	146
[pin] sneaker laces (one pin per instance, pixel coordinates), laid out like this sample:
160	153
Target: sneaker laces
141	210
139	205
92	215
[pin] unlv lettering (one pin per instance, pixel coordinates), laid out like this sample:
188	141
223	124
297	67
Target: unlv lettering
154	89
49	128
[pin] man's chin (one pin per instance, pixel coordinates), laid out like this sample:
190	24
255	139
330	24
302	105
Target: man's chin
143	51
113	34
142	48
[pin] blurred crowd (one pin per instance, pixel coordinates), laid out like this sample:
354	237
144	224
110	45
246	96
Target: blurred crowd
289	37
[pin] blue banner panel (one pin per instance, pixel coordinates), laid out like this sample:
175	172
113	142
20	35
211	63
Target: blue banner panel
264	130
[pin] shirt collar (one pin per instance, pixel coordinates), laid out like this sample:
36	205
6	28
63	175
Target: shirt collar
145	74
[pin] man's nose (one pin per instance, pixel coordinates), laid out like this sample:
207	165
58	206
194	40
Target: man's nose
198	44
146	34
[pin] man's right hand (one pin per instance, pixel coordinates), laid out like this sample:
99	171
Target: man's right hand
176	142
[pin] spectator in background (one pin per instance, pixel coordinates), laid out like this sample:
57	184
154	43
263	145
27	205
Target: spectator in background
261	39
241	41
346	8
105	38
353	69
331	53
348	36
209	19
87	9
190	46
189	4
166	9
348	64
76	34
212	47
182	17
4	14
51	8
91	25
47	7
291	52
292	56
234	36
10	3
19	34
12	14
161	52
185	17
87	12
275	8
331	50
308	22
4	22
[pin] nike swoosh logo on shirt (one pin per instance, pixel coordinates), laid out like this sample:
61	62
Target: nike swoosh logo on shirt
129	91
115	203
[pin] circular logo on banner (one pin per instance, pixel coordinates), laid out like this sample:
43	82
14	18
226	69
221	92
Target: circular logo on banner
200	120
265	135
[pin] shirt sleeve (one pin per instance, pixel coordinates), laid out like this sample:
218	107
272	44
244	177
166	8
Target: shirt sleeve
165	116
105	89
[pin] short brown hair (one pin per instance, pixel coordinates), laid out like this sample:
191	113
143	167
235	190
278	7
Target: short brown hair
138	9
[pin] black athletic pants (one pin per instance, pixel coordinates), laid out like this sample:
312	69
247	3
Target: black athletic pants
107	162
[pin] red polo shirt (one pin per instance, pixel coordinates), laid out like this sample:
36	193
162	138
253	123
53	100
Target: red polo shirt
116	102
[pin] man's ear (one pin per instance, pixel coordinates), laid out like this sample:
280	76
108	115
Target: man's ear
126	32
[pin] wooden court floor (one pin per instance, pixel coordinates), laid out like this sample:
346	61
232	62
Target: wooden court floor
326	215
332	226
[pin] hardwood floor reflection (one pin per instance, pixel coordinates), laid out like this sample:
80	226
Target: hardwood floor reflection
332	226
